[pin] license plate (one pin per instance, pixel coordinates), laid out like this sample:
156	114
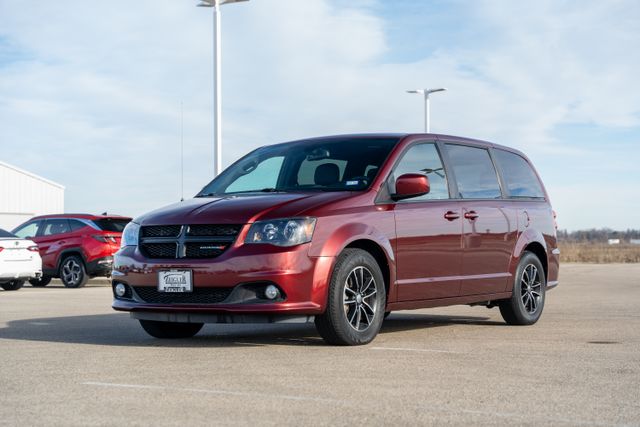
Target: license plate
175	281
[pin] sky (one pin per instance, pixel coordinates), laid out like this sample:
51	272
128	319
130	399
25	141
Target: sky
91	93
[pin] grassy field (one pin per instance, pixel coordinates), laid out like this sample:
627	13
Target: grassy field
600	253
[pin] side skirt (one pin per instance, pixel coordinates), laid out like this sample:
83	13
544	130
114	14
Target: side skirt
442	302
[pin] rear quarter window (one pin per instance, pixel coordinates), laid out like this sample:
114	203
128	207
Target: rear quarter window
76	225
519	177
112	224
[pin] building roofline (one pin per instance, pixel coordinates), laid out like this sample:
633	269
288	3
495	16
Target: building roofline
32	175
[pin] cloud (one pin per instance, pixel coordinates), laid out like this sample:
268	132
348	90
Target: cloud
90	95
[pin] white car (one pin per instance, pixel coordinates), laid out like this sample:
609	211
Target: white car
19	261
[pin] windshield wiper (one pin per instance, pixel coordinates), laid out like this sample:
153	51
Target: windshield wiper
206	195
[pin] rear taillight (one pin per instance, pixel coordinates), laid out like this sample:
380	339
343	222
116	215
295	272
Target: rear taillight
105	238
1	249
32	248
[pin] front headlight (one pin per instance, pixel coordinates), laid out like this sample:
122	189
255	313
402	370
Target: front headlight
282	232
130	235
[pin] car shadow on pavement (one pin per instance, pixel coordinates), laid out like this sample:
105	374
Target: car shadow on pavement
118	329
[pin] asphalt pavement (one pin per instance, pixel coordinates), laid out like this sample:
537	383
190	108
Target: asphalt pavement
67	359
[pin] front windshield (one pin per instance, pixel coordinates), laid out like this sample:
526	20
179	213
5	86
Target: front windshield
332	164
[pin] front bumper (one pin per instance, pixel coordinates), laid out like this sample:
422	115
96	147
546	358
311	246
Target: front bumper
303	281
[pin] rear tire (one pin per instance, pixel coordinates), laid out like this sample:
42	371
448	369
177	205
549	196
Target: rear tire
73	272
40	282
527	301
170	330
13	285
356	302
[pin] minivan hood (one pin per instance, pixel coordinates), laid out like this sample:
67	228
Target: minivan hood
239	209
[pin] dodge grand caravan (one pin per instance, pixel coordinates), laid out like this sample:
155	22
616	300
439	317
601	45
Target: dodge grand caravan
341	231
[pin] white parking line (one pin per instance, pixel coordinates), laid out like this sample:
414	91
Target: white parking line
425	350
212	391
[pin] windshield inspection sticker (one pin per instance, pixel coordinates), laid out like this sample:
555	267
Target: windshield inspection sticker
353	182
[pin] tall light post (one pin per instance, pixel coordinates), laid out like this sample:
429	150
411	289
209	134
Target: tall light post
427	106
217	78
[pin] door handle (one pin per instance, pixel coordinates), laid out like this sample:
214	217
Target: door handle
451	215
471	215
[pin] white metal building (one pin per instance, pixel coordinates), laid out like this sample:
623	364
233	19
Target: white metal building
24	195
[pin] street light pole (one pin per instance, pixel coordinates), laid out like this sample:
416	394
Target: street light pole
427	105
217	79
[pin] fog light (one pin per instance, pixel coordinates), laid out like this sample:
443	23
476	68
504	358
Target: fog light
121	290
271	292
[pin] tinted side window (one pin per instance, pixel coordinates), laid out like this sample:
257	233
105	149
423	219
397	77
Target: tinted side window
55	226
475	175
424	159
520	179
76	225
30	229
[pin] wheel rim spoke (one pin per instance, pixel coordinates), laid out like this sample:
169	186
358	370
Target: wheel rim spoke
366	316
353	317
349	290
366	307
367	286
370	294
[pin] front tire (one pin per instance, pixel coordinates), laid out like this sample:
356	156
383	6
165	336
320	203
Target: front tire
73	272
12	286
356	303
40	282
170	330
527	301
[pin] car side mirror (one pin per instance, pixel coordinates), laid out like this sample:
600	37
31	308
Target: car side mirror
411	185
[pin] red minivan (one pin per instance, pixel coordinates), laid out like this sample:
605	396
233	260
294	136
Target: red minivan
341	231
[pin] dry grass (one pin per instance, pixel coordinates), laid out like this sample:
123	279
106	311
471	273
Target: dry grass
599	253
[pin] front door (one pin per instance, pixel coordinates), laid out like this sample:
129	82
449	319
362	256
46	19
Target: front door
428	230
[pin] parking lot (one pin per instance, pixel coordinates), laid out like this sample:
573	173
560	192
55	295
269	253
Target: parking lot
68	359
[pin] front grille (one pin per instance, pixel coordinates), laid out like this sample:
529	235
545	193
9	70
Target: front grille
159	250
213	230
186	241
198	296
204	249
160	231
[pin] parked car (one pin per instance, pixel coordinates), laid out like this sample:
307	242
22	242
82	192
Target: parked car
74	247
343	230
19	261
